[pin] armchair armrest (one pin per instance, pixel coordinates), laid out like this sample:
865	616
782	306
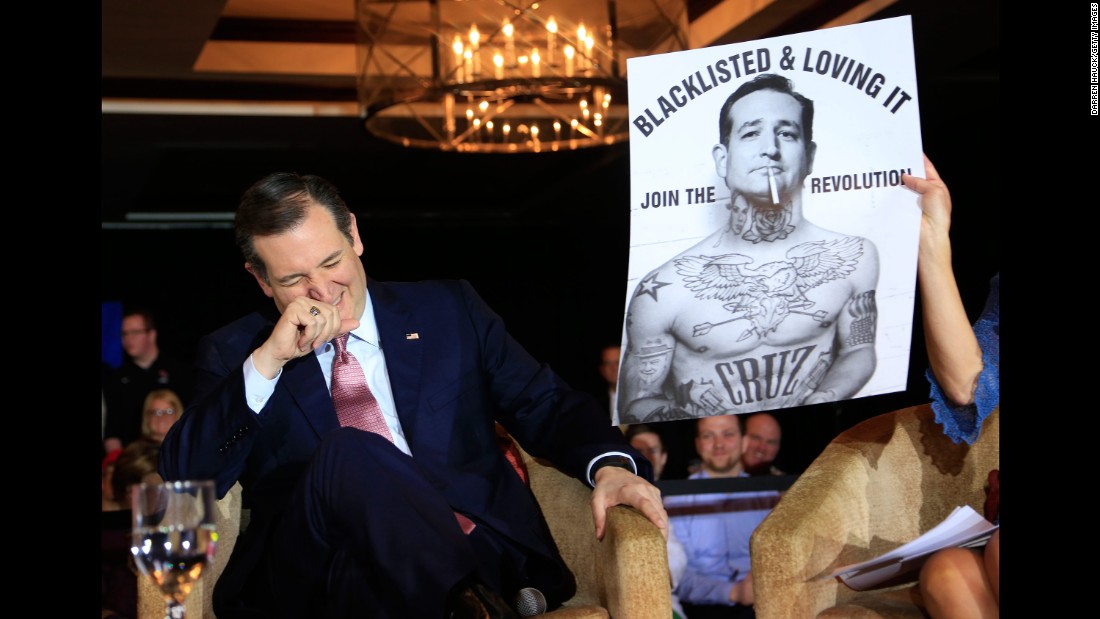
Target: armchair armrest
876	486
632	562
625	575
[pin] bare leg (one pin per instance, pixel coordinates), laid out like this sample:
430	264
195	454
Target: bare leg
954	584
993	564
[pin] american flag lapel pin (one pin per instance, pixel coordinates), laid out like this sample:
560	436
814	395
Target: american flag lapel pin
412	336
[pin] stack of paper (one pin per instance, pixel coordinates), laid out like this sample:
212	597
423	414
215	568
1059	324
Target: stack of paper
964	527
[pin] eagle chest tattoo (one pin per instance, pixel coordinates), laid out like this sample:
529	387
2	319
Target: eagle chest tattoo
766	295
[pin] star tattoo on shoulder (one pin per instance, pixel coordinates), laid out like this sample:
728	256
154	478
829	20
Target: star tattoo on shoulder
650	286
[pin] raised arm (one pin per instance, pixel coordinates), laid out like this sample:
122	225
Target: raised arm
953	351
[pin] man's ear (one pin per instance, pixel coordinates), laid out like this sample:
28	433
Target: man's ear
356	242
259	280
811	150
719	153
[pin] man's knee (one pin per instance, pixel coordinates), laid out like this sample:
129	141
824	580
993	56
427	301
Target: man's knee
346	442
347	457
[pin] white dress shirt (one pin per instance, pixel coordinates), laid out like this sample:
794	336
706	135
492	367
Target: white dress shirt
365	345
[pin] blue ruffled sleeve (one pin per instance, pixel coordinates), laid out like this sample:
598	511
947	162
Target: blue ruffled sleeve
964	423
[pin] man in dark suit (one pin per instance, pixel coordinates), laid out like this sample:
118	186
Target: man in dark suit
430	521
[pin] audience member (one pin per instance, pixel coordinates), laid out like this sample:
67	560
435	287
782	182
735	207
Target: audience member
162	408
135	464
715	527
419	514
143	369
648	441
678	438
964	373
760	445
104	376
107	491
609	371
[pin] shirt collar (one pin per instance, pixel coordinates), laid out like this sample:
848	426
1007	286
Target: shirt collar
367	330
368	326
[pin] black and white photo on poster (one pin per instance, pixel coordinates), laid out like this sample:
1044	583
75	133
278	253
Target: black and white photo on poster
772	253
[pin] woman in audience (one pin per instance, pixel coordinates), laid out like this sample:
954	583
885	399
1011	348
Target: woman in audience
162	408
964	372
136	464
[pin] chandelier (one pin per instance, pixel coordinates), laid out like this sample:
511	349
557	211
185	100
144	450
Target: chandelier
504	76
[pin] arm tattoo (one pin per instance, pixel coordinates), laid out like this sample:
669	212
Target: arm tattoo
865	315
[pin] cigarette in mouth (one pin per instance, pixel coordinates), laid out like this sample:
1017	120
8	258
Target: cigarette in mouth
771	184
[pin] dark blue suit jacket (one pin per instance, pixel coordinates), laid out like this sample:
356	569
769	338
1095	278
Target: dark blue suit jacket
459	374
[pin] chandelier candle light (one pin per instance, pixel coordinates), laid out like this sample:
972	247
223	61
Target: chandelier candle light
506	75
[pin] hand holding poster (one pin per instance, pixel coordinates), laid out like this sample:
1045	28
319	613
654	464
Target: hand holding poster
773	245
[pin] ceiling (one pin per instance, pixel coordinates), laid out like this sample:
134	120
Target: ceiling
268	52
199	95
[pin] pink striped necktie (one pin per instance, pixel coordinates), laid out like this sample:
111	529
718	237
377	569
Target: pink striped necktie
355	405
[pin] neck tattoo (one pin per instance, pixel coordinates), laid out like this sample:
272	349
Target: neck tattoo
769	224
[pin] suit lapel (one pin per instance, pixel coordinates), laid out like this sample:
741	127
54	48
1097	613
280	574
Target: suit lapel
402	350
306	384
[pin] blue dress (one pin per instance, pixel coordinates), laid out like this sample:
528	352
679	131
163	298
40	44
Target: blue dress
964	423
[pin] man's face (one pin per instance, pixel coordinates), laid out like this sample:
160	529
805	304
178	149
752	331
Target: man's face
761	442
650	366
609	365
137	339
718	442
650	445
314	260
767	134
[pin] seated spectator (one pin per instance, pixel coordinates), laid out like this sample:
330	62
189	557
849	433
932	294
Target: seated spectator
609	371
964	371
760	445
646	440
715	527
144	368
135	464
107	491
162	408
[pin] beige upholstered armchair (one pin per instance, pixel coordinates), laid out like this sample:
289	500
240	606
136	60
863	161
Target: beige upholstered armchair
626	576
875	487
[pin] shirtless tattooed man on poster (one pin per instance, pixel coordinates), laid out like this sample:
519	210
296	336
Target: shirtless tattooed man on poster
771	310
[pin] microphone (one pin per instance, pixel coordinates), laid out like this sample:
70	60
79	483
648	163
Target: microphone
529	602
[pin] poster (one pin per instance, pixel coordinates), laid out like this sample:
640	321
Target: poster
774	268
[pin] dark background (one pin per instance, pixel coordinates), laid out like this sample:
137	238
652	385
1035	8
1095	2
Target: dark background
543	237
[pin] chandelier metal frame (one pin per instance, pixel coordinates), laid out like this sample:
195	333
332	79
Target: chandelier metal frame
421	85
